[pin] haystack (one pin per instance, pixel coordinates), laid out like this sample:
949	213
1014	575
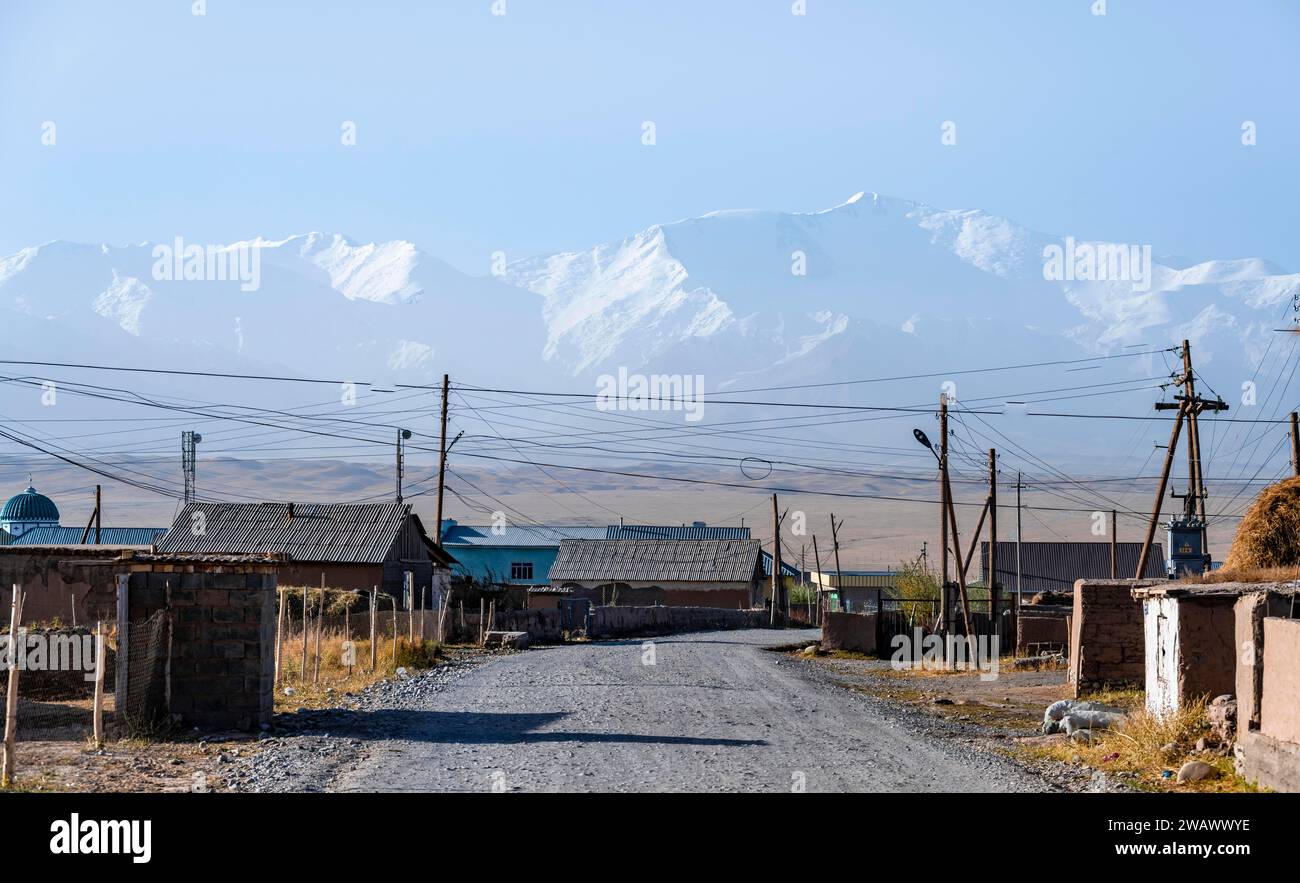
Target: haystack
1269	534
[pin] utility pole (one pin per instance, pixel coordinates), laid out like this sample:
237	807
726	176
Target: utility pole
835	544
399	462
442	453
993	534
778	618
1160	490
1189	406
817	559
188	456
1019	594
1295	443
94	520
945	602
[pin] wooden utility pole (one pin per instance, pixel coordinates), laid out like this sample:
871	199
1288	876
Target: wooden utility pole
320	627
306	603
1295	443
279	636
1114	544
94	518
945	602
817	559
1160	491
778	609
1019	485
961	569
835	544
442	455
993	535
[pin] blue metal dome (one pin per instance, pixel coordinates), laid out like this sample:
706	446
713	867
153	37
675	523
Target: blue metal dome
30	506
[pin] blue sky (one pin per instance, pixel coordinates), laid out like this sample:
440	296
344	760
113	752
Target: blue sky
522	132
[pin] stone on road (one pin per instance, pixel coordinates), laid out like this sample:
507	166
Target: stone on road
710	711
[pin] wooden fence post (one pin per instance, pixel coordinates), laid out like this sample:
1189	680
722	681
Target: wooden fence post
101	646
121	676
279	635
11	698
408	584
320	627
306	603
374	631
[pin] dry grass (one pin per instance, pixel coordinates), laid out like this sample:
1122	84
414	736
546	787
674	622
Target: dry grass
335	678
1150	746
1247	575
1269	534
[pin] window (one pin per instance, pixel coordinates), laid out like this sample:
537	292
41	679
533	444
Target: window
521	570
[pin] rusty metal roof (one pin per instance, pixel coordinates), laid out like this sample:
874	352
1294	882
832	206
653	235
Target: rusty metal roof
339	534
657	560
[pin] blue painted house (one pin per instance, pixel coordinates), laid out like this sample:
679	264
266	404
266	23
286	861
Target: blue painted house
509	555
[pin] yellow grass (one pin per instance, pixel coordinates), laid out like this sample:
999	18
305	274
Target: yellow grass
335	678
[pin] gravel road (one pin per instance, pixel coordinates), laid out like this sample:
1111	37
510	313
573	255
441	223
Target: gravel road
714	712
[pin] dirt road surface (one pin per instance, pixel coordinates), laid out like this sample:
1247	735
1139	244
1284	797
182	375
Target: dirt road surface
713	711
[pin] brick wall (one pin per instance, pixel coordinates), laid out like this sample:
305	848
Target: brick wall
1107	645
223	641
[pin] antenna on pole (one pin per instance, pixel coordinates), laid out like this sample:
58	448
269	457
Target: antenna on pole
189	440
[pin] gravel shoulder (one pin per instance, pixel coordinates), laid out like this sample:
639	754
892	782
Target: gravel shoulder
712	711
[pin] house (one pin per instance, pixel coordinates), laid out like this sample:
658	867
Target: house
687	572
851	591
696	530
1055	566
509	555
32	519
347	546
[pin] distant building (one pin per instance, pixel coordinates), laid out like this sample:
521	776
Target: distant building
1054	566
688	572
850	591
32	519
348	546
509	555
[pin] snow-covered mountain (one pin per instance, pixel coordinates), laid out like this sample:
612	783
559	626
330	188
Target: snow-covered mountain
878	283
874	286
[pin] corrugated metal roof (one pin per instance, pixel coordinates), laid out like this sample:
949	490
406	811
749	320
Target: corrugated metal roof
517	536
71	536
338	534
1055	566
674	532
657	560
787	569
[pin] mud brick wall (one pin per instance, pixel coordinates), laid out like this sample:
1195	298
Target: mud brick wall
1107	643
543	626
1251	610
1279	715
852	632
223	643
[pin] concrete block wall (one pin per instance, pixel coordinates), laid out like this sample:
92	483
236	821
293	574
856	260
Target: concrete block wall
1107	646
223	642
